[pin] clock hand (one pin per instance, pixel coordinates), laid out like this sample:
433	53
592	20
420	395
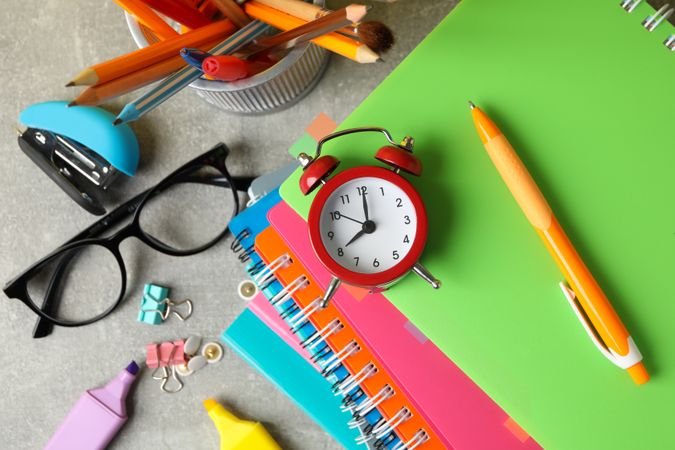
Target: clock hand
365	207
358	235
368	227
349	218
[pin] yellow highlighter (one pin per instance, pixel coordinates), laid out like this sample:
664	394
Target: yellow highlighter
237	434
584	295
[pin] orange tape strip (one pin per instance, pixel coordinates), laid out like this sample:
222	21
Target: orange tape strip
517	431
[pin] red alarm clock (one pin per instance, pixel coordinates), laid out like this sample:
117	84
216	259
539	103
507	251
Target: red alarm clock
367	225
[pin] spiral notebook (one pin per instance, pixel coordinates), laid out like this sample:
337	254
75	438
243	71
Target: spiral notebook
584	92
452	404
368	391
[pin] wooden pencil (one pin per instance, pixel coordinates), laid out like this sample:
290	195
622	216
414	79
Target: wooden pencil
143	57
309	30
297	8
101	93
232	11
180	12
376	35
148	17
334	42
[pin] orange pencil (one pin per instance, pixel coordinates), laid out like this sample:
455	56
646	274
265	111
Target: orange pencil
101	93
136	60
232	11
615	342
148	17
337	43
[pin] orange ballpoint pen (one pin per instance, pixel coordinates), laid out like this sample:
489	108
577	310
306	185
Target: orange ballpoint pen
585	296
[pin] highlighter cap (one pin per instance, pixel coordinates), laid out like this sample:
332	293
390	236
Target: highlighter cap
237	434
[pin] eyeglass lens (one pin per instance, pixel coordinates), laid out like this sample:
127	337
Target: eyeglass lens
90	285
188	214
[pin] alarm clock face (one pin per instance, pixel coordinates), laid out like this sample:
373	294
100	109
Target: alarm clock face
371	222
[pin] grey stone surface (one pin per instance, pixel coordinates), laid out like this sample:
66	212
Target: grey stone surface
44	43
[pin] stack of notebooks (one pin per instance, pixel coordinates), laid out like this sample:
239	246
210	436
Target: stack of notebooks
495	359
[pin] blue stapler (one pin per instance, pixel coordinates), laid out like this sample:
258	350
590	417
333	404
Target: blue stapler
78	148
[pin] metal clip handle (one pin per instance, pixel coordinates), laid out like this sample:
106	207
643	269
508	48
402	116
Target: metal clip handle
623	361
341	133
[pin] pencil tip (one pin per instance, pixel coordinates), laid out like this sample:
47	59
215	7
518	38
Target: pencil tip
117	121
70	83
471	105
73	103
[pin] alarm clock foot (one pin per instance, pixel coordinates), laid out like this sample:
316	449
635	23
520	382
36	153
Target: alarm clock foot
420	270
330	291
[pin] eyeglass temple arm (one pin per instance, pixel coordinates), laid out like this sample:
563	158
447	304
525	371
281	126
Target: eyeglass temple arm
44	327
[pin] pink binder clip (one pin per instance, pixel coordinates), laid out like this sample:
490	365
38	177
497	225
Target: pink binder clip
165	354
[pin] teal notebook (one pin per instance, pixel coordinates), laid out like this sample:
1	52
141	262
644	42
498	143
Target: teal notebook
291	373
585	95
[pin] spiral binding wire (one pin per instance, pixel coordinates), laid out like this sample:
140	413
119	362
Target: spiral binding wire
418	439
244	254
344	386
336	359
301	318
653	20
377	435
388	426
320	336
236	245
365	407
670	42
383	442
630	5
254	269
351	401
266	277
288	290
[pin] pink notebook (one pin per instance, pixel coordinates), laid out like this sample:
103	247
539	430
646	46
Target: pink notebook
460	412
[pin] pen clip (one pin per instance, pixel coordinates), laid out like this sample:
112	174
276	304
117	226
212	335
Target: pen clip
622	361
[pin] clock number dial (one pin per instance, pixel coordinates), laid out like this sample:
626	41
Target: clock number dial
379	232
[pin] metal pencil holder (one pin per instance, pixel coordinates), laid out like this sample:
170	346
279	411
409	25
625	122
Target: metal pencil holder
278	87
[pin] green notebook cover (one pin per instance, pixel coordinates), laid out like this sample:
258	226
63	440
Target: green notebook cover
585	95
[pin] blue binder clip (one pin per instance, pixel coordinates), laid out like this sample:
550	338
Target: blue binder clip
156	306
79	149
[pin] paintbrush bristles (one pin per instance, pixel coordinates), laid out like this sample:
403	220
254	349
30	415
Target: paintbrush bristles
375	35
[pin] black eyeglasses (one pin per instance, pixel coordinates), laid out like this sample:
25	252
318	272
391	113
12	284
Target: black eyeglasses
85	279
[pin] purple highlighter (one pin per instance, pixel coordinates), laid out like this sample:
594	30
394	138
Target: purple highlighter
97	416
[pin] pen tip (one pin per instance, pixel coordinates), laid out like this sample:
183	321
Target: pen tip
471	104
117	121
